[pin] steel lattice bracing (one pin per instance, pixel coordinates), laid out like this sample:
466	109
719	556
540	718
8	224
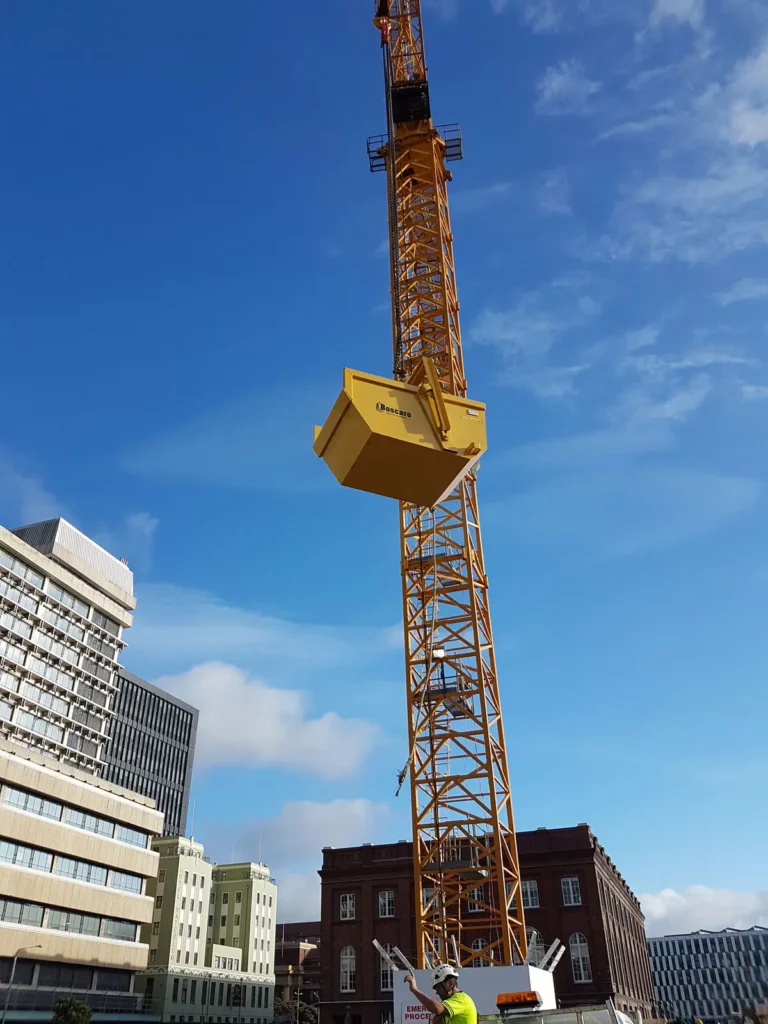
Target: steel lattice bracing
463	825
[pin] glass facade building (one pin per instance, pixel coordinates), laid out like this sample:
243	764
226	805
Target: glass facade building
151	747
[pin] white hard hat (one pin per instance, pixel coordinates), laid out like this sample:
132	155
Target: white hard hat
443	971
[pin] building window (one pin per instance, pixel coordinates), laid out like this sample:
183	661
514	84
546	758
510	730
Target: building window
161	876
582	969
387	974
347	904
186	878
153	956
236	923
238	897
183	902
175	993
210	920
156	928
225	899
387	903
347	969
224	921
478	945
476	897
158	902
178	956
530	895
571	892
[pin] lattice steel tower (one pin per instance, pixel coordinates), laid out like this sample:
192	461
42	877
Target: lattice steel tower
463	826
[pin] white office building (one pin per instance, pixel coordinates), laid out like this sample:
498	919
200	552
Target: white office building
64	603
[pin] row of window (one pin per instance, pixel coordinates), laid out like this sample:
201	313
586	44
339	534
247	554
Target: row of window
38	916
161	878
69	867
64	597
49	644
60	677
23	801
222	993
570	888
42	726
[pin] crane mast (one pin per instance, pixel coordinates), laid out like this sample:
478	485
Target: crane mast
465	851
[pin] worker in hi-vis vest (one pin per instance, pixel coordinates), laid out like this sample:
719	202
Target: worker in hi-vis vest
448	1003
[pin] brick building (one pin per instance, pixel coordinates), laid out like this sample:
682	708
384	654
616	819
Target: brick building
571	891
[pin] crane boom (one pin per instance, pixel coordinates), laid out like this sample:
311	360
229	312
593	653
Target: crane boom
465	851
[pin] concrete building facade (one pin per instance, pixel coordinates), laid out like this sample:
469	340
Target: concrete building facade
64	603
244	909
571	891
712	976
75	870
199	967
151	747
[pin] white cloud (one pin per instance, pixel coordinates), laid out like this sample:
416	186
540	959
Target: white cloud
262	442
24	498
181	625
754	392
689	12
565	89
292	843
744	291
244	721
554	193
133	539
673	913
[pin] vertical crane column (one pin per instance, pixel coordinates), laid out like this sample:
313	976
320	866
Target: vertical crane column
463	826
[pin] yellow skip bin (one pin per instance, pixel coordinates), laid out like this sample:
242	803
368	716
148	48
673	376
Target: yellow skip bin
409	441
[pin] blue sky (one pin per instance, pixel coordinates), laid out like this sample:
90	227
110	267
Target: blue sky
193	249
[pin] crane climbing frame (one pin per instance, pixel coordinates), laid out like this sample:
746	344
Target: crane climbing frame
465	851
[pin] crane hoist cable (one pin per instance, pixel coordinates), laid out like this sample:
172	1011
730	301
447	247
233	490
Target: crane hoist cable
394	228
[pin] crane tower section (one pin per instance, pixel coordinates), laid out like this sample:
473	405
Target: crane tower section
465	851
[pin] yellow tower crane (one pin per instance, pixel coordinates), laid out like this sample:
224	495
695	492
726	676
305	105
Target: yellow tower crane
410	437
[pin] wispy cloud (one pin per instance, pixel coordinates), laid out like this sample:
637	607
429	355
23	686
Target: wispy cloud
239	447
292	843
132	539
754	392
24	498
707	196
525	334
744	291
689	12
565	89
676	913
621	510
475	200
180	626
554	193
327	746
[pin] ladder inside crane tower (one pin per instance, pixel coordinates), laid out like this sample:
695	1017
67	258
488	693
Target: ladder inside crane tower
417	438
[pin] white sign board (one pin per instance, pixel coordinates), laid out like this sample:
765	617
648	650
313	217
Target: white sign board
483	984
